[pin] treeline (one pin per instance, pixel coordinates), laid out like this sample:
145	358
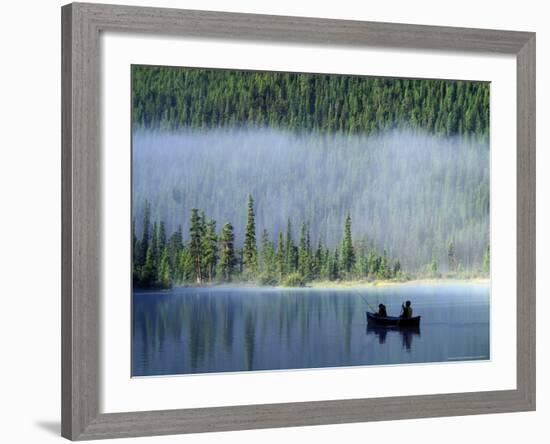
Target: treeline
413	194
174	97
209	256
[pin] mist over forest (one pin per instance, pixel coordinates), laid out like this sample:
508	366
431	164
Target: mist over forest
407	191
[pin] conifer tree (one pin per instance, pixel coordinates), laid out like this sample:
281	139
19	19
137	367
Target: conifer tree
148	275
289	249
186	267
195	244
161	237
146	234
209	246
250	251
487	259
280	256
267	254
348	254
228	260
451	259
164	279
303	254
335	266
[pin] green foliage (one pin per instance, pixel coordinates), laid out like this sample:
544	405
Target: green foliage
209	257
228	261
348	255
294	279
195	243
174	97
250	252
433	268
209	246
451	257
487	260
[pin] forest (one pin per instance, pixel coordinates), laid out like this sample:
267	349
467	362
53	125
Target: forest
407	160
209	256
170	98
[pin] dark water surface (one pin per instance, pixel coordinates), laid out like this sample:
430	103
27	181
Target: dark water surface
222	329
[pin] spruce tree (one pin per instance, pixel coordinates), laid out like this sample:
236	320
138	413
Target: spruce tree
161	237
280	256
195	244
146	234
267	255
228	260
148	275
186	266
250	251
209	245
164	278
487	259
289	249
451	259
348	254
303	254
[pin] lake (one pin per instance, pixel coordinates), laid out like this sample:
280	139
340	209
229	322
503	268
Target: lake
228	329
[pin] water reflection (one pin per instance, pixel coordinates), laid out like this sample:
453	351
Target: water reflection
201	330
406	334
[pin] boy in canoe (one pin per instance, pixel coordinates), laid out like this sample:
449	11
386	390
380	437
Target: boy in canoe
406	310
382	311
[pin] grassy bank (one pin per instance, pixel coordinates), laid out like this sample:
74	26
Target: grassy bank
393	282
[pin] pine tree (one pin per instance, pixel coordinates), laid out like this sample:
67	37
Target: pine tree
433	267
384	270
289	249
195	244
451	259
161	237
397	268
318	261
268	254
209	246
348	254
228	260
374	261
148	275
487	259
334	273
186	266
175	244
146	234
303	254
250	251
164	279
280	256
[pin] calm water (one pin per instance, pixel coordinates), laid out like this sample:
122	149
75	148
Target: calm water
201	330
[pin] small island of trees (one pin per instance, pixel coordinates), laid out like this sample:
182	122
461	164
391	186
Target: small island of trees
209	256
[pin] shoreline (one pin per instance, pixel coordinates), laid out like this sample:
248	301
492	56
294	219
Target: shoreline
391	283
333	284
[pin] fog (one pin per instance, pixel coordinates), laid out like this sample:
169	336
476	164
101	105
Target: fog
408	192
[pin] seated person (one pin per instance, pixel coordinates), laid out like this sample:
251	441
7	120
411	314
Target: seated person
406	310
382	311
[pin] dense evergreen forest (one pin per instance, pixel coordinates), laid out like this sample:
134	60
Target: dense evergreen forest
172	98
208	255
409	193
211	256
406	160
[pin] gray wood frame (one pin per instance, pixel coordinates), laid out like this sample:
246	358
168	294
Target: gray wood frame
81	168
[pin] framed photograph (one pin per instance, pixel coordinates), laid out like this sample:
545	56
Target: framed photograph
278	221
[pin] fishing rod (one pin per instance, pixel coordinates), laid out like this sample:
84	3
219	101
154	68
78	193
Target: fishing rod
367	302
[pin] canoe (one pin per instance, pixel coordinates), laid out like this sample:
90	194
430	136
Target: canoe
392	321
